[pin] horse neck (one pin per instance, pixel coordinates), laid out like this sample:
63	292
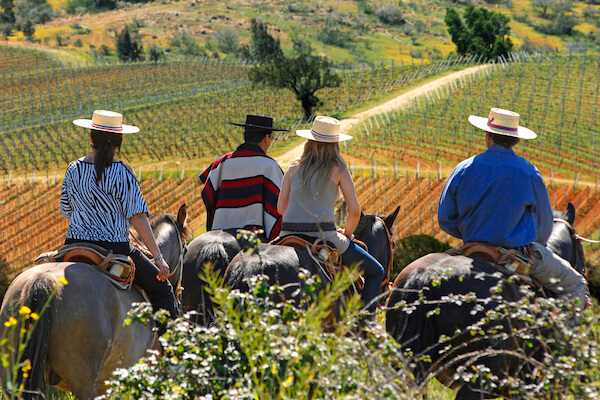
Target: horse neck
378	243
169	241
563	243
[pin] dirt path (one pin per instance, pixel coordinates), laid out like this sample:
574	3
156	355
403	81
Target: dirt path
403	99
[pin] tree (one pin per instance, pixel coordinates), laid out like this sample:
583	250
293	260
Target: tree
483	32
128	49
264	47
28	29
7	14
303	73
543	5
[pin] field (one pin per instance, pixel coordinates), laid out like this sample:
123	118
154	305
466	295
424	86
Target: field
400	157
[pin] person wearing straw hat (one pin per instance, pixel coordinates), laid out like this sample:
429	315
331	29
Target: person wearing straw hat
100	193
308	195
500	199
241	188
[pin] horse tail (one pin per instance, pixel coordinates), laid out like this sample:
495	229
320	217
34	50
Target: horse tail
36	295
215	255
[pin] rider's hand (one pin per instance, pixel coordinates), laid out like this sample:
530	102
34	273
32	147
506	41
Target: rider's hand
343	232
163	267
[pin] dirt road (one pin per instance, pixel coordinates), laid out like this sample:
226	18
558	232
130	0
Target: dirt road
403	99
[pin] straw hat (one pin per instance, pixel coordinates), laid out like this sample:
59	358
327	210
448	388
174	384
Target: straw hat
108	121
324	129
502	122
258	123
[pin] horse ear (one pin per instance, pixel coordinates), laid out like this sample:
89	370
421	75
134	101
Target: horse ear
182	214
570	213
389	220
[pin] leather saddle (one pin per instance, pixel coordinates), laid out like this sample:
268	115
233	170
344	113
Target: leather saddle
324	253
508	261
119	269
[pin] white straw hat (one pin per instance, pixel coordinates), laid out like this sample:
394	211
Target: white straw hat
108	121
502	122
324	129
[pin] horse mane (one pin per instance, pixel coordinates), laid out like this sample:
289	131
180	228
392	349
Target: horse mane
365	221
186	231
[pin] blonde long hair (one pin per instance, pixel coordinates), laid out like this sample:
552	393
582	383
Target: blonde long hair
318	159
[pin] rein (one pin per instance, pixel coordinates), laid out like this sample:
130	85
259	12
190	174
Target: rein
386	281
182	251
579	239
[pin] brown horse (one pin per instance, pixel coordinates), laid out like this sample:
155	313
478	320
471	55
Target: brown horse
283	264
80	338
429	312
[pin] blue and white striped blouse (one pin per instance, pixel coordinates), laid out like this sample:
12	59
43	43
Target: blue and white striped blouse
99	211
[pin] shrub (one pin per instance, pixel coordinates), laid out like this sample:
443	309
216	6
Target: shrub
335	37
390	14
227	40
413	247
261	349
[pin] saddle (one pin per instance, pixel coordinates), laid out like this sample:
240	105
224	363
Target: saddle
119	269
323	253
508	261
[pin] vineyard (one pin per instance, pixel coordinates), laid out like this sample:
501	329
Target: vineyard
556	96
182	106
400	157
31	222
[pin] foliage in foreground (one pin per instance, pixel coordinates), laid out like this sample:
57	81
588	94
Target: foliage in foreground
263	348
552	345
268	349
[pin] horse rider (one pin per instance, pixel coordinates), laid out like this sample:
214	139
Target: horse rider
500	199
241	187
100	193
309	192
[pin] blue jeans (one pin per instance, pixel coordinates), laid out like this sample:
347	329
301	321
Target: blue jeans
372	272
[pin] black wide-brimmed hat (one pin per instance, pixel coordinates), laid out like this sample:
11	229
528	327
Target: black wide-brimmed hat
258	123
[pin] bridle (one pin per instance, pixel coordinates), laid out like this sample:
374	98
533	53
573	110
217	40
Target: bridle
386	280
578	239
182	251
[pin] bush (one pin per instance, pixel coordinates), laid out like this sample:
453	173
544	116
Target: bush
259	349
562	24
335	37
390	14
187	45
413	247
227	40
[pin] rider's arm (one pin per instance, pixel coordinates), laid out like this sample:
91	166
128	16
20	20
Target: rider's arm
347	187
448	210
284	195
543	210
142	226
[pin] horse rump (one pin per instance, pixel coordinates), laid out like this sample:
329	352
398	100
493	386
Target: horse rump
35	307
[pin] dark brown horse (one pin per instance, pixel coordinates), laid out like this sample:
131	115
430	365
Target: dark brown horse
429	313
282	264
215	248
80	338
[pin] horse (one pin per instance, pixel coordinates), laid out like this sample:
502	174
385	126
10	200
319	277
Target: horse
282	264
162	226
428	322
215	248
80	337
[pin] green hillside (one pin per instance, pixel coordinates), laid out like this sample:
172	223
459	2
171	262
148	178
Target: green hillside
347	31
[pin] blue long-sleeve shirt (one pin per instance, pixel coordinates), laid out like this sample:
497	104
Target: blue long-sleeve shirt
497	198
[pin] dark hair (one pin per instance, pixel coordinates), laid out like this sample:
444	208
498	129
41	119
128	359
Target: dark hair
504	140
106	144
255	135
